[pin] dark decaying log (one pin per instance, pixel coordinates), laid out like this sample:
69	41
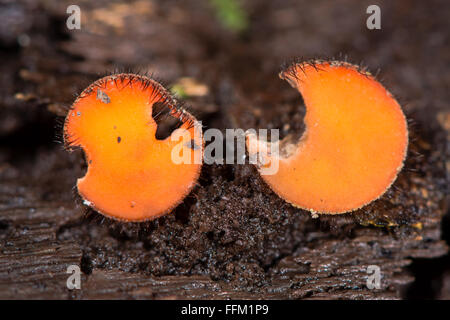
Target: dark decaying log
232	237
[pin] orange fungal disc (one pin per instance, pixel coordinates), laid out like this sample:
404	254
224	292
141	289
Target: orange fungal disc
353	146
131	175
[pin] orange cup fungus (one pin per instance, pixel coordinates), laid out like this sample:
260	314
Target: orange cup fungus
131	175
353	146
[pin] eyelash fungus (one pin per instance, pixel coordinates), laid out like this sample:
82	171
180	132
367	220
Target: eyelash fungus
131	176
354	144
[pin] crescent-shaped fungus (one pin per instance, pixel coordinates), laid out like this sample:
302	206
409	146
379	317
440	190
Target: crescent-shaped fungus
353	146
131	174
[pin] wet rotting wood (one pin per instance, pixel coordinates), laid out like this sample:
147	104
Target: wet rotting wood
232	237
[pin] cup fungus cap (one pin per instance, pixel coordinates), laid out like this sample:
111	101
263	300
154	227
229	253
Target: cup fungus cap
353	146
131	175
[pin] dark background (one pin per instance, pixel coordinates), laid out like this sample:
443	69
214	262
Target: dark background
232	237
